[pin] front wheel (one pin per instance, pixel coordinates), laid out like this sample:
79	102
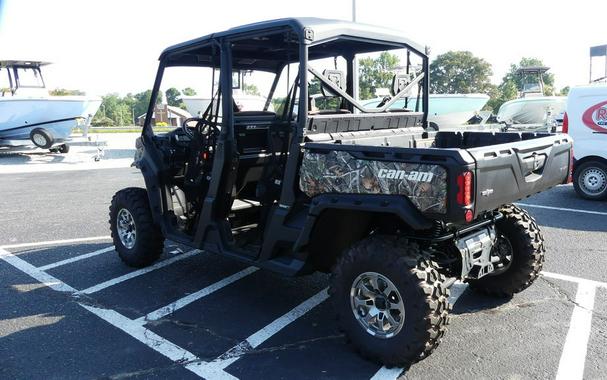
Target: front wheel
138	241
63	149
42	138
590	180
520	245
390	300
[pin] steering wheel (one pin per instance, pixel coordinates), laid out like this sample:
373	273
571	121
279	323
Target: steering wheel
201	123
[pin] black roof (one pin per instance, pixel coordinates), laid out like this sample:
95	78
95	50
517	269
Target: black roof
323	29
532	70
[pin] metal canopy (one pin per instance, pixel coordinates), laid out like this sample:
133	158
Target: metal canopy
22	63
532	70
269	52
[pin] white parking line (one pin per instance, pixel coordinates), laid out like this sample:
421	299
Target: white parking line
34	272
134	329
562	209
456	291
573	358
182	302
46	167
137	273
145	336
579	280
385	373
214	369
571	365
77	258
55	242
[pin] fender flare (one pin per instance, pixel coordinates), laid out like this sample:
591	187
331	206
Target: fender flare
372	203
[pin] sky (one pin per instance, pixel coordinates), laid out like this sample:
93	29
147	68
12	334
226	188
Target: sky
103	46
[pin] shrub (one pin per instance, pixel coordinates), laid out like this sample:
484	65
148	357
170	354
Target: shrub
161	124
102	121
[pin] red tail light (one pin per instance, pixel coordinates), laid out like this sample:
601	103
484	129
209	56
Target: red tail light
565	123
464	188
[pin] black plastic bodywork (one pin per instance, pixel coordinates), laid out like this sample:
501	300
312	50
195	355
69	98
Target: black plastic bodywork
288	221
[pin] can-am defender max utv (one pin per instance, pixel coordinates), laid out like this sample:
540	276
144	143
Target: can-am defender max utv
309	180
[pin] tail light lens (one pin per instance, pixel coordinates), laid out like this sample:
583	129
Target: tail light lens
464	188
565	123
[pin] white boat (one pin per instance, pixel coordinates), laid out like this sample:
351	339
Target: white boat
445	110
196	105
532	107
29	115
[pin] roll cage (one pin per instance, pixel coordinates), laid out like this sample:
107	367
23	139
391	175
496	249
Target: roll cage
257	47
271	46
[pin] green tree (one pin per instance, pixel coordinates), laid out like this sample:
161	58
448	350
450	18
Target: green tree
102	121
250	89
376	73
173	95
114	108
64	92
504	92
142	101
460	72
564	91
188	91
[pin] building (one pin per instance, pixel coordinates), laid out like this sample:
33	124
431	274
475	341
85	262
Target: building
163	113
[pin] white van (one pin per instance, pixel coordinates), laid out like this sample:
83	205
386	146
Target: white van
586	121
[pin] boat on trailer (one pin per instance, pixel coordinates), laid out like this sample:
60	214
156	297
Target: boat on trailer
30	116
532	107
445	110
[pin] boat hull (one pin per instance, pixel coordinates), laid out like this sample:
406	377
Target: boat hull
445	110
449	110
531	110
58	115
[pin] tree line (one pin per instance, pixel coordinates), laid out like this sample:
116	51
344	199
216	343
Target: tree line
119	110
454	72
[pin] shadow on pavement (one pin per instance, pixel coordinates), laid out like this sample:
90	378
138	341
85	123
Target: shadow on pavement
471	302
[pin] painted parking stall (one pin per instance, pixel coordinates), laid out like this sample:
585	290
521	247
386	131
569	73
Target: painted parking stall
195	315
571	365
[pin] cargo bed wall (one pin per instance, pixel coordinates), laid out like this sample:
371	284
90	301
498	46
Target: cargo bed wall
423	176
508	172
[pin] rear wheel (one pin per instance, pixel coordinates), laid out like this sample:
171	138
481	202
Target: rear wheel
520	246
138	241
64	148
390	300
590	180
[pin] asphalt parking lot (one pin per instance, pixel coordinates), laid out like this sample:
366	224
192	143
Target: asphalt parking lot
71	310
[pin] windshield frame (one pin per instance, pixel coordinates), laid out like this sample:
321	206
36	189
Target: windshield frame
17	81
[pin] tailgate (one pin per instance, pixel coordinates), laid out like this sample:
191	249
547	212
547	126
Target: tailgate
508	172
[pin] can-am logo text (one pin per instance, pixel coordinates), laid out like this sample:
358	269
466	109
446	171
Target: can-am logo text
403	174
595	117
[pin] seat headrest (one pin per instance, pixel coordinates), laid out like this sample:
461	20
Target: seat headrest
335	76
399	82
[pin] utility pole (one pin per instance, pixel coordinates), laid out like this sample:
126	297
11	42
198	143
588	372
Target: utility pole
355	63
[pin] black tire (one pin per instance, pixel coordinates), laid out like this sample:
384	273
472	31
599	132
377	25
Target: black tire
148	241
426	305
64	148
591	171
60	149
522	232
42	138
